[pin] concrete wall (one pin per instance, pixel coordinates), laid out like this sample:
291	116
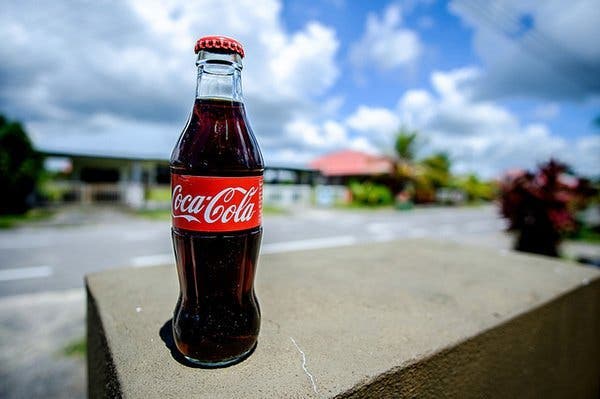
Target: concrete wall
551	352
412	318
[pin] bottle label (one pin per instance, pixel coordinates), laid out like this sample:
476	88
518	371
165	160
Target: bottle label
216	204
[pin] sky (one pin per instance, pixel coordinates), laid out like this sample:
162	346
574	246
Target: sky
497	85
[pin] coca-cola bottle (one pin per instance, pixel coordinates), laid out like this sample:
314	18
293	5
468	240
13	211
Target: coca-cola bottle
216	182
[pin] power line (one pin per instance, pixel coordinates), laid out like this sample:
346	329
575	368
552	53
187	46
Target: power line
578	72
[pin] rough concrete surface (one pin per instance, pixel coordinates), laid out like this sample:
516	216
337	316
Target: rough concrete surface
414	318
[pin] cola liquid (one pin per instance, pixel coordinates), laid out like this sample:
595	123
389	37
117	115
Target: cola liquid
216	173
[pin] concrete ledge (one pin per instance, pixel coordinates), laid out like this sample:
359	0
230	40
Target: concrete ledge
401	319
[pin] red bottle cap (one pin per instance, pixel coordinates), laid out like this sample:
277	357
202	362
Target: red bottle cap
222	43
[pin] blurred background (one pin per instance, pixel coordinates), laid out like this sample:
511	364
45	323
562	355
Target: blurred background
472	121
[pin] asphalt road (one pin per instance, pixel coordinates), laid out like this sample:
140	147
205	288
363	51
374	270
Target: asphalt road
57	255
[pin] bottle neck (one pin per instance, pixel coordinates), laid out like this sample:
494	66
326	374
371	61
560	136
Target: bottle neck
219	76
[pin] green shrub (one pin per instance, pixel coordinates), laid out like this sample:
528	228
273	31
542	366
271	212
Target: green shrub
51	190
159	194
370	194
476	190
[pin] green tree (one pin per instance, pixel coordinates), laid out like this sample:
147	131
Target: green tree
369	193
405	167
436	169
405	144
20	168
477	189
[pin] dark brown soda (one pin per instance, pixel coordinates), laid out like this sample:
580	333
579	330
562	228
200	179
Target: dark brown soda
217	317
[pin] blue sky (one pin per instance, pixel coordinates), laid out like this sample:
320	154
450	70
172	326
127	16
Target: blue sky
448	41
497	84
448	46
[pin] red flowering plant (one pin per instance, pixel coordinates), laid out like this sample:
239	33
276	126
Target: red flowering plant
541	206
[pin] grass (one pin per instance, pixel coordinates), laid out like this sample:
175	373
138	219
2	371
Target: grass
274	210
33	215
585	234
159	194
354	206
76	348
154	214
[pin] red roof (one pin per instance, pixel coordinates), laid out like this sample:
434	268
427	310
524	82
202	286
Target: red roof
352	163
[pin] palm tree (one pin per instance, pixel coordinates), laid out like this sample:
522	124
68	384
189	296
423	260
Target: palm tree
405	144
436	169
405	166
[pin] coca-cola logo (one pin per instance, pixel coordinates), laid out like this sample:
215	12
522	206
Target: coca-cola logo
216	203
218	208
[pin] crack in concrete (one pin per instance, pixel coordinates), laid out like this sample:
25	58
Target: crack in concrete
312	379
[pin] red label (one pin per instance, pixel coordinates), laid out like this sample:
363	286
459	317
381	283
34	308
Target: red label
202	203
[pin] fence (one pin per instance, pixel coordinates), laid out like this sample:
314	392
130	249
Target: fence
67	191
284	196
158	196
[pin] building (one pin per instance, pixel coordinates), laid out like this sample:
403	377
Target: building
341	167
142	182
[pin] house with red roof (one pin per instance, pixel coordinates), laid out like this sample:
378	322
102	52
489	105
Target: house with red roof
342	166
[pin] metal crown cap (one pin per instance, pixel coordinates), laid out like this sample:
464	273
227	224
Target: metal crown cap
222	43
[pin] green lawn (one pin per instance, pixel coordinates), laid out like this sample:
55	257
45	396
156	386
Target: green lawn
353	207
34	215
154	214
586	234
75	348
159	194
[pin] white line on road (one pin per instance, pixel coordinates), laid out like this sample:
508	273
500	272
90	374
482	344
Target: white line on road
273	248
314	243
152	260
383	237
382	228
25	272
416	232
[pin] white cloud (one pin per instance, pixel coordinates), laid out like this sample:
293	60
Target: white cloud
327	136
304	64
65	63
484	137
377	119
377	122
542	49
363	144
385	43
481	136
584	154
125	87
305	138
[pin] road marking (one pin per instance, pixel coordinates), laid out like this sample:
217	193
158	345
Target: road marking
25	273
446	229
383	237
382	228
152	260
273	248
134	236
314	243
416	233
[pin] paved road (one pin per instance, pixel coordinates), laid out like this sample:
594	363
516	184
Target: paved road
50	258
